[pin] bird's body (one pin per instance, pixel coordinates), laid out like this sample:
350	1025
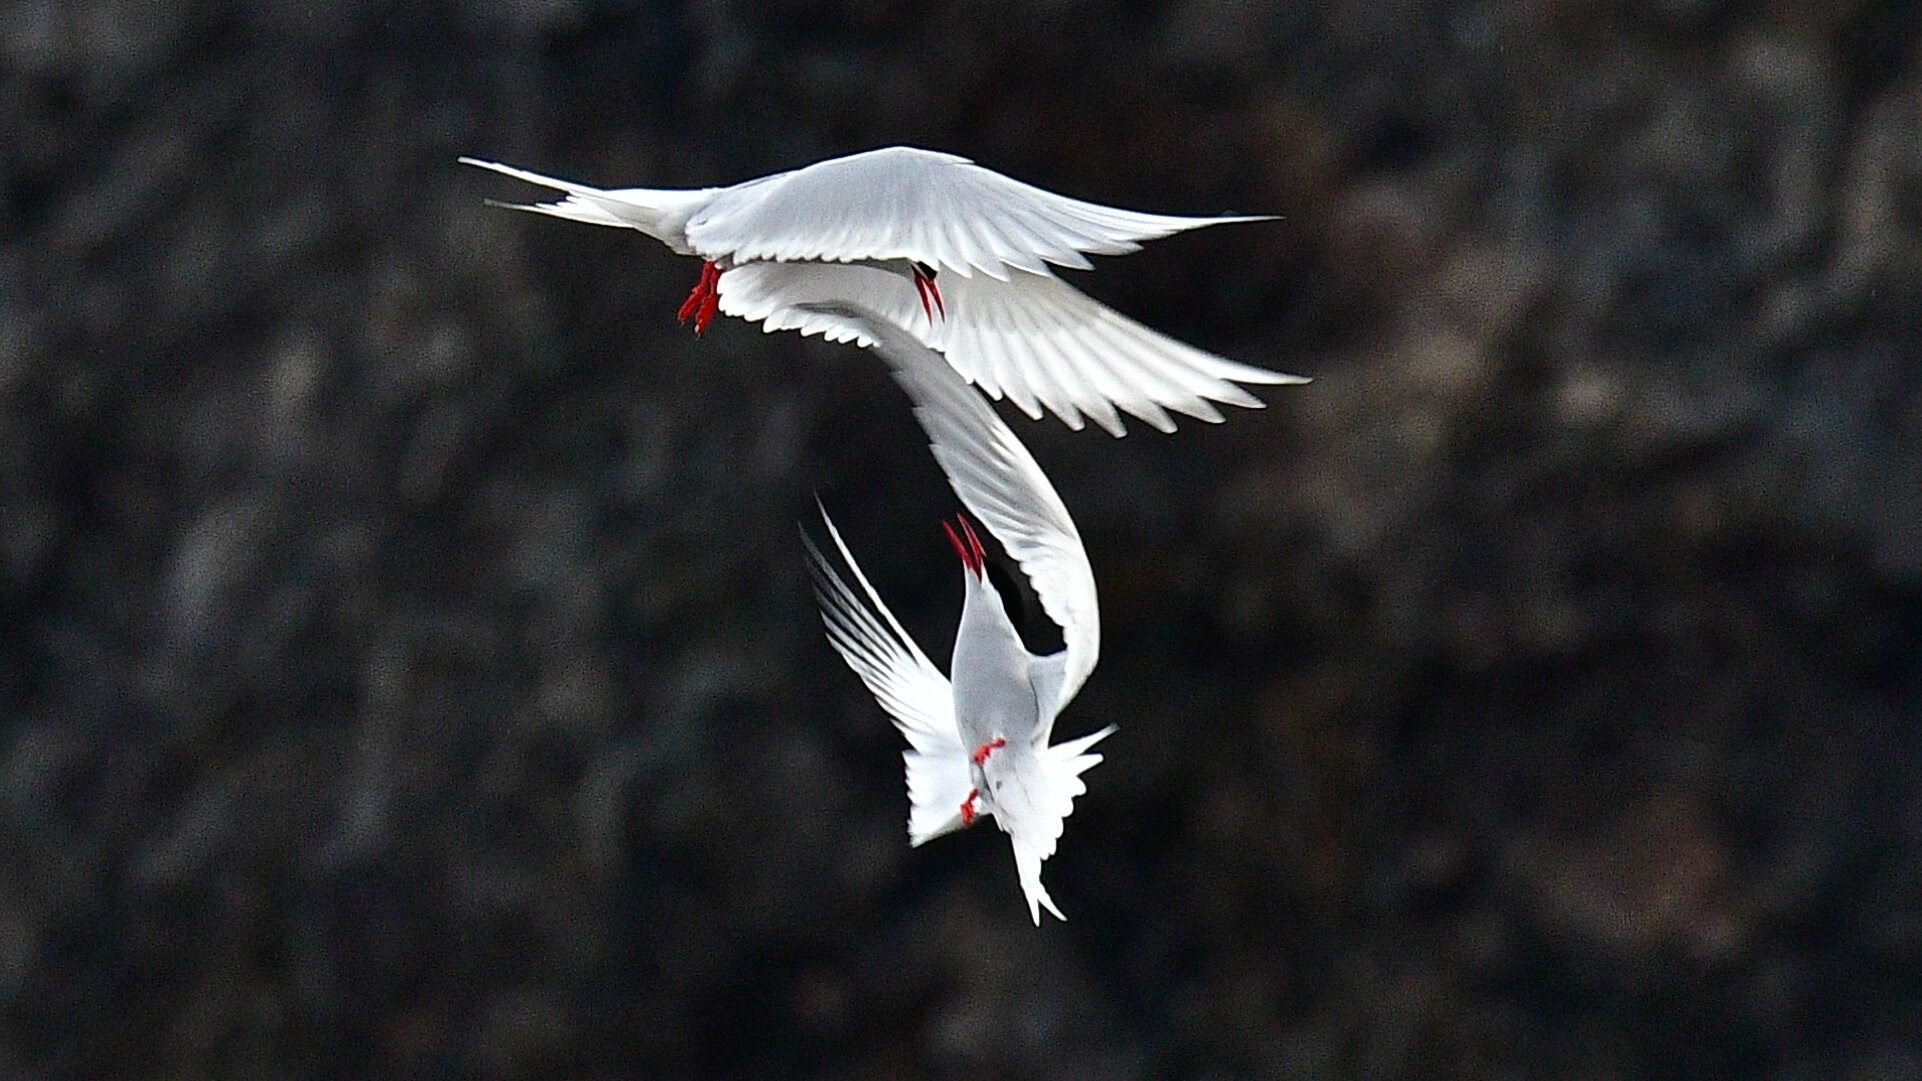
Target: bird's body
979	741
958	254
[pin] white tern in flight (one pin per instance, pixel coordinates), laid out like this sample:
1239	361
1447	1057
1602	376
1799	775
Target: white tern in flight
877	228
978	745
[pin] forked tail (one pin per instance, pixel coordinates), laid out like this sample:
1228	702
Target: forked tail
661	213
1035	826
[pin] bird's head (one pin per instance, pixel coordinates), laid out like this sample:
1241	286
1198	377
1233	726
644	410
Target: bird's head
992	579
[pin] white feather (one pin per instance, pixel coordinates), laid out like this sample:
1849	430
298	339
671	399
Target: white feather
1029	787
839	230
1033	338
906	684
869	205
998	479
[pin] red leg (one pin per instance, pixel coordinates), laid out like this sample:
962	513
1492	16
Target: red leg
968	813
982	752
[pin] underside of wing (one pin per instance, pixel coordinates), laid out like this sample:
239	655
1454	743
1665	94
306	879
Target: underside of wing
1033	337
902	679
997	479
904	203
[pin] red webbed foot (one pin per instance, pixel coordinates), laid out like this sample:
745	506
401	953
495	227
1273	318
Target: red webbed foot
708	307
702	303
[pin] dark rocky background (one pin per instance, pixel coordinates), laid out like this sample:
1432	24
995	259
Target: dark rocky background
407	665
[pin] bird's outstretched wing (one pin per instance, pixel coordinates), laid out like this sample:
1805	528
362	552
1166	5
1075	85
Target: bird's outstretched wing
904	203
908	686
997	479
1033	337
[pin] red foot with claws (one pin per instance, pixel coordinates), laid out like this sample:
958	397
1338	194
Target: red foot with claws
705	300
968	811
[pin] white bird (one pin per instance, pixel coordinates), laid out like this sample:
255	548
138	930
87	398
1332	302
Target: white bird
977	745
867	227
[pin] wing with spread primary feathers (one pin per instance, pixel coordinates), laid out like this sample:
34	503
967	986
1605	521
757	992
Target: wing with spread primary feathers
902	203
904	681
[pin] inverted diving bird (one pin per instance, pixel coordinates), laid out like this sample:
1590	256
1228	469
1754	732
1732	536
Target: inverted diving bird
959	254
978	740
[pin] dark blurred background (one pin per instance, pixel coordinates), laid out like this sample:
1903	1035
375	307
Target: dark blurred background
408	668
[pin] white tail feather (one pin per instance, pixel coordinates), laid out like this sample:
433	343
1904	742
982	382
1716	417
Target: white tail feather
661	213
1027	865
1034	808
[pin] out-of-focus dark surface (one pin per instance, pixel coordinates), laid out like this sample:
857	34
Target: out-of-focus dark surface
408	668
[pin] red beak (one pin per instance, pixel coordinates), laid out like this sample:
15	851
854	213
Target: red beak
973	556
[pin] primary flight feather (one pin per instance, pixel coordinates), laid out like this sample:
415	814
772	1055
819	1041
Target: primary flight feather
877	229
